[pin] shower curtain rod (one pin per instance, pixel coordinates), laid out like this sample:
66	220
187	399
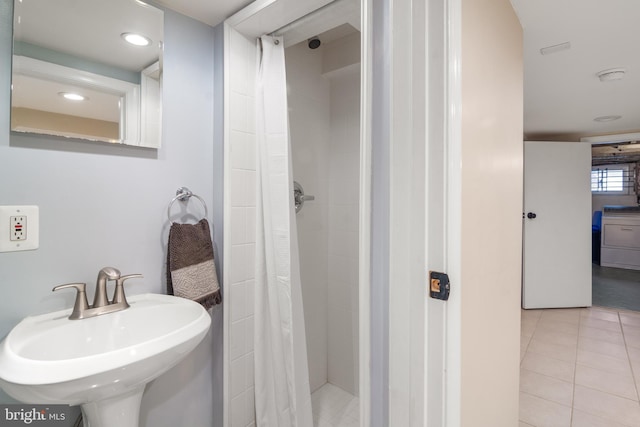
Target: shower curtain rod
305	18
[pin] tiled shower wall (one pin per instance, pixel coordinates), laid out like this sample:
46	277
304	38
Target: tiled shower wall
241	198
324	111
309	123
344	170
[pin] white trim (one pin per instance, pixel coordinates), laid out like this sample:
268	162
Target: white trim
364	238
151	106
453	214
265	16
609	139
226	245
407	269
436	110
252	9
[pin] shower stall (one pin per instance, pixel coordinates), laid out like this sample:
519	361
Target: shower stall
324	119
322	59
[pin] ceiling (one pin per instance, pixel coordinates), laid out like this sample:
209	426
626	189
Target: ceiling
562	93
210	12
90	29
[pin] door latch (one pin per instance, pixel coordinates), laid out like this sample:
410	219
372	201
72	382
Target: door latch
439	285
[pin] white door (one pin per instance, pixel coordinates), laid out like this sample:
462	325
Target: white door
557	225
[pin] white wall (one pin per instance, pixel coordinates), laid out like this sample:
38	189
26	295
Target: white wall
324	97
310	127
103	205
491	169
240	211
344	180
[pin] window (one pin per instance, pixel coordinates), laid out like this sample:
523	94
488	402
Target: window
611	179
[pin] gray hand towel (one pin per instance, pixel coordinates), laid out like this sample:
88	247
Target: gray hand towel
191	272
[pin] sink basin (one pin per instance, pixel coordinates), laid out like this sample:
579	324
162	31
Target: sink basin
103	362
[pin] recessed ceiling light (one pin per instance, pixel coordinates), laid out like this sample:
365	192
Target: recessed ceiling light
612	74
72	96
136	39
555	48
607	118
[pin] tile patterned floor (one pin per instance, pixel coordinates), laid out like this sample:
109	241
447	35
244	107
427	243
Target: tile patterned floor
580	368
334	407
616	287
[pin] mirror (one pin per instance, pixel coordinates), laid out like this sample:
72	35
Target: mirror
76	75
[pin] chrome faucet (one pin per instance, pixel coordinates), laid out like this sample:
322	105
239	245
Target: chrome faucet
101	304
100	298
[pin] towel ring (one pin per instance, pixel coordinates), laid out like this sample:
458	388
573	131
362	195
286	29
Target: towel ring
184	194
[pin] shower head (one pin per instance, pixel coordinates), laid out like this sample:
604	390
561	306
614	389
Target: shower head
314	42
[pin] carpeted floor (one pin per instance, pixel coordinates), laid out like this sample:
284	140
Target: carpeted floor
616	287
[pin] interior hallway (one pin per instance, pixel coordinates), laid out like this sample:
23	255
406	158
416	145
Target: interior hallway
580	368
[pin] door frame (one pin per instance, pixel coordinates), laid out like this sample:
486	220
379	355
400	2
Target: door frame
424	370
411	114
263	17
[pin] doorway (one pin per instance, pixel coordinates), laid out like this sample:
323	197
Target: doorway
325	146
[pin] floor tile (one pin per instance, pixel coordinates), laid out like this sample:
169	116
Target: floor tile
567	353
582	362
602	335
606	363
632	336
620	385
347	414
543	413
607	325
523	350
527	327
595	313
631	319
607	406
548	366
334	407
596	346
531	314
556	337
561	314
548	388
634	353
557	326
635	367
582	419
631	328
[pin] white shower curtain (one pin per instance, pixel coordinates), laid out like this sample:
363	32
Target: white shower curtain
282	392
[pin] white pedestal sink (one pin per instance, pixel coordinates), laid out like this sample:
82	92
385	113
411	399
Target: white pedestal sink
101	363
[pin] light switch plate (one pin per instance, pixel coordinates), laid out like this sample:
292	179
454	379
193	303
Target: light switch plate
29	219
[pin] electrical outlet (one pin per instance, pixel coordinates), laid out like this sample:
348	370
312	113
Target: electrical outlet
19	229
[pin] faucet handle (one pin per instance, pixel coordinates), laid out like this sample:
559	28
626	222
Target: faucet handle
118	295
81	303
